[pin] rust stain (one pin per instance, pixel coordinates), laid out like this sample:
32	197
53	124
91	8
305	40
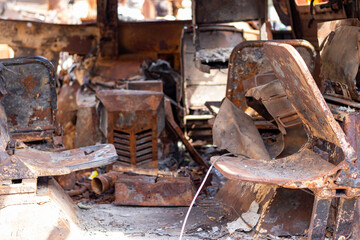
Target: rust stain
29	84
12	118
40	115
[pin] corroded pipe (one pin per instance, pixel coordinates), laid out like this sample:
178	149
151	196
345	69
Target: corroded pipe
104	182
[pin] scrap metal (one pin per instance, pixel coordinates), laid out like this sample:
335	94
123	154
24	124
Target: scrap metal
306	168
30	103
153	191
30	98
133	124
107	180
174	127
248	60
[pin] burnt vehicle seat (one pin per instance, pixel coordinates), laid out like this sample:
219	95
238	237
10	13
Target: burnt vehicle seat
304	169
29	101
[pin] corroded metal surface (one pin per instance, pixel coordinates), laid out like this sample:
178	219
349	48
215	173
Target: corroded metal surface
200	86
319	217
304	23
43	163
345	217
30	99
307	169
248	60
107	18
152	191
30	38
55	37
236	132
133	121
104	182
340	63
273	98
153	85
204	68
302	170
212	11
288	213
325	28
305	96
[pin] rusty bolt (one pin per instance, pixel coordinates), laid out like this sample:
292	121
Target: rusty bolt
354	175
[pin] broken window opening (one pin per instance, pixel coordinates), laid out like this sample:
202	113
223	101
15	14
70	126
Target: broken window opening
57	11
154	10
6	51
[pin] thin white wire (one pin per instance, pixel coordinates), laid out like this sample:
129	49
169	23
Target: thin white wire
198	192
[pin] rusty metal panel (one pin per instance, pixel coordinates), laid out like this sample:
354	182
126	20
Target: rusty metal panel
43	163
340	62
162	37
304	24
11	167
325	28
345	217
153	191
200	87
213	11
29	163
319	217
288	213
54	37
236	132
30	98
107	18
152	85
133	121
248	60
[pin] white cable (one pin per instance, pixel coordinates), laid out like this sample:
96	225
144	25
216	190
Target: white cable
199	190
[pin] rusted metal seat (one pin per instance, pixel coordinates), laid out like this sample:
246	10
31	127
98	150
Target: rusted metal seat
28	97
42	163
28	101
305	169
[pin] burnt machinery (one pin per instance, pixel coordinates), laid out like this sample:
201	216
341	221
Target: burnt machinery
205	52
132	120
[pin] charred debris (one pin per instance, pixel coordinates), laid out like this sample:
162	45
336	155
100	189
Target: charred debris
229	125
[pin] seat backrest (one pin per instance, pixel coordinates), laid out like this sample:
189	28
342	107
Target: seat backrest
249	60
305	96
30	98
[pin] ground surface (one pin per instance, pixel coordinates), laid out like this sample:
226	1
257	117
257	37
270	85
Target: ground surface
207	221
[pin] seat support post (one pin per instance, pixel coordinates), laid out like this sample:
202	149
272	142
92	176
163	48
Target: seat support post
344	218
319	217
